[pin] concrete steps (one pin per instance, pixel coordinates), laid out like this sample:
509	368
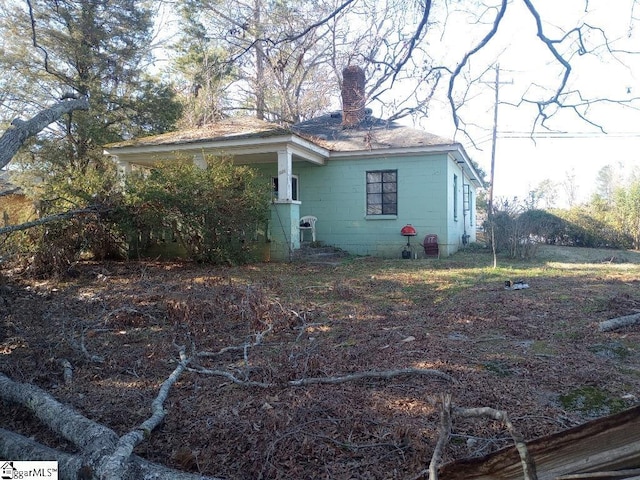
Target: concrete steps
316	253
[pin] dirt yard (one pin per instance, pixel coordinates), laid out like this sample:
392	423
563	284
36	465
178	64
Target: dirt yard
536	353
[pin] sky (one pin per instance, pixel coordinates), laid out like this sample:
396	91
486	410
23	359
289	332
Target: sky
570	147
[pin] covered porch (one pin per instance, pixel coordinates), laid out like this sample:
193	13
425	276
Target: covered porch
246	142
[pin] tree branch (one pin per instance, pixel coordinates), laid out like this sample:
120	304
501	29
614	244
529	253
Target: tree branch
293	38
383	374
115	464
485	40
528	467
444	433
19	131
97	444
50	219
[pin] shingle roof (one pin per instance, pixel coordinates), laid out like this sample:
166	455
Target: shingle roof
372	134
325	131
231	128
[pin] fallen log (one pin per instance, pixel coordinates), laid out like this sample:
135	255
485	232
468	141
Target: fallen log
619	322
100	448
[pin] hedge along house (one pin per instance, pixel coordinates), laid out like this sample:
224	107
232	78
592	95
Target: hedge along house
362	178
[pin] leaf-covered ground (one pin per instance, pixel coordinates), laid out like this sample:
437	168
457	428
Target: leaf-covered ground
536	353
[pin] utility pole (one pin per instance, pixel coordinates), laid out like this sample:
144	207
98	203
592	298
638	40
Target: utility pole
494	138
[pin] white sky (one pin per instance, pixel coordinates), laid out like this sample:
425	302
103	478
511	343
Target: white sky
575	147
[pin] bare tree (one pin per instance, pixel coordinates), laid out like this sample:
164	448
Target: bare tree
410	49
570	187
272	70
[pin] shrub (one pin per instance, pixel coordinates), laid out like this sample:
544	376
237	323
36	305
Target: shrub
585	229
212	213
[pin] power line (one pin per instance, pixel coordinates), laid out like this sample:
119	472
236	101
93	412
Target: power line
515	135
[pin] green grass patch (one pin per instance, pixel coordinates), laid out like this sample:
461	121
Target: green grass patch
591	401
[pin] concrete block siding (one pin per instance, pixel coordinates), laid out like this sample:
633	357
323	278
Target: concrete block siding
336	194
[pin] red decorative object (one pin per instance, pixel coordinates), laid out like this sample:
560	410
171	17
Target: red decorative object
408	231
430	245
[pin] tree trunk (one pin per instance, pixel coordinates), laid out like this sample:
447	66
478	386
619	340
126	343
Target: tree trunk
99	447
619	322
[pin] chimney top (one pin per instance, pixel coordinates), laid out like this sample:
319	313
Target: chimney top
353	96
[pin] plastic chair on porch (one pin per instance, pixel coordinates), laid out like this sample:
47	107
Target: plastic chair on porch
308	222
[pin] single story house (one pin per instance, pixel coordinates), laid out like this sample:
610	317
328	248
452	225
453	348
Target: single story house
363	178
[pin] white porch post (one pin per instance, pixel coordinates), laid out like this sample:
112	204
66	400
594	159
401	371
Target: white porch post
123	169
285	213
285	174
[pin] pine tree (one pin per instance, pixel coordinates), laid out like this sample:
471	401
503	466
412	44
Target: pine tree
94	48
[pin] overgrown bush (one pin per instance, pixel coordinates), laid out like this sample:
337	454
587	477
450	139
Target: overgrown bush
213	213
57	248
584	229
513	233
518	233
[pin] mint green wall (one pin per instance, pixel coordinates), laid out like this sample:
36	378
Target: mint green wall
283	230
335	193
459	225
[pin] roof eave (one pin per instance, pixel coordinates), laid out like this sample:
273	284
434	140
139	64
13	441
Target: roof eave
303	148
455	149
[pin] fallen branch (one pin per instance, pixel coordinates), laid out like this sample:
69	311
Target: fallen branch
444	431
444	434
528	467
231	377
99	447
116	462
619	322
19	447
259	338
67	371
384	374
85	352
20	130
49	219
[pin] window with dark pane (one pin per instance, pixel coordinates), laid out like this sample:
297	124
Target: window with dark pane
382	192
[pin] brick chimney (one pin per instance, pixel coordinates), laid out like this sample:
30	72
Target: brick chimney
353	96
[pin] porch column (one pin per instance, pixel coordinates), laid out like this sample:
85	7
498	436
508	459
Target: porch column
285	174
284	230
122	169
285	212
